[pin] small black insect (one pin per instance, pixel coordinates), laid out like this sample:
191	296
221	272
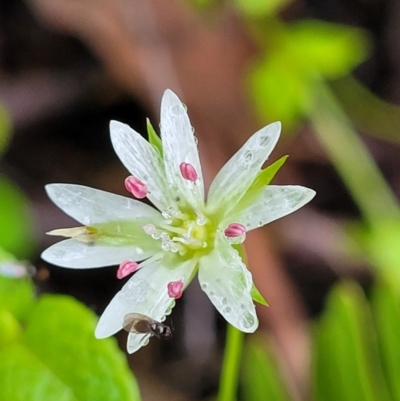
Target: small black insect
142	324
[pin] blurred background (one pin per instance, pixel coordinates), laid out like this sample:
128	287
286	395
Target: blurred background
328	69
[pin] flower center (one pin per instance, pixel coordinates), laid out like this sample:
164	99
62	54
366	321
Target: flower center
182	231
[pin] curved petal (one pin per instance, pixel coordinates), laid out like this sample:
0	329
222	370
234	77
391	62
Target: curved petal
74	254
142	161
146	292
91	206
227	282
179	145
239	172
275	202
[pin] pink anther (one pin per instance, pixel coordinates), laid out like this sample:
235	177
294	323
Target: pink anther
235	230
136	187
125	268
188	172
175	289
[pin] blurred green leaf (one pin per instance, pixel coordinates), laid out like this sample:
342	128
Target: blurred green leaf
380	243
54	355
346	362
297	57
17	296
10	329
260	8
369	113
16	234
23	377
5	129
326	49
386	311
60	334
261	379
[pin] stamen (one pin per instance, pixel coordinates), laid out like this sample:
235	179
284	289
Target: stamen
83	234
136	187
235	230
201	220
188	172
175	289
125	268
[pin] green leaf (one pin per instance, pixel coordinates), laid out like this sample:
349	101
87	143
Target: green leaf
16	234
261	378
23	377
60	334
326	49
10	329
5	129
256	296
346	360
260	8
297	57
17	296
386	310
278	91
380	243
154	139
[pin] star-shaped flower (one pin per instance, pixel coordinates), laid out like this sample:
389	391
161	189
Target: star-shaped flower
186	234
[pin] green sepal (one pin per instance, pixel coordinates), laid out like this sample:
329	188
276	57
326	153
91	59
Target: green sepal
263	178
266	175
154	139
257	297
255	294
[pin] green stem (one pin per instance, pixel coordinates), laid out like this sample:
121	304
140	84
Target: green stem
352	159
231	365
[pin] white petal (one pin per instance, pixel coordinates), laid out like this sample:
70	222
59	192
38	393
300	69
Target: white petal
91	206
146	292
79	255
179	145
227	282
275	202
143	162
239	172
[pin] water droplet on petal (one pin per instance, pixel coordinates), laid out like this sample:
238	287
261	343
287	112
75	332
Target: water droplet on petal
204	286
248	156
260	223
227	309
248	320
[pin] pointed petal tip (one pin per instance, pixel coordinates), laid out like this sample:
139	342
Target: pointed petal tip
115	124
103	329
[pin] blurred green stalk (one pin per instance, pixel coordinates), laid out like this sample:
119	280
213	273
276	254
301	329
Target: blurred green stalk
352	160
229	378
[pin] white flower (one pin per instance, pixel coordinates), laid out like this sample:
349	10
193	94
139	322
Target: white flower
186	234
